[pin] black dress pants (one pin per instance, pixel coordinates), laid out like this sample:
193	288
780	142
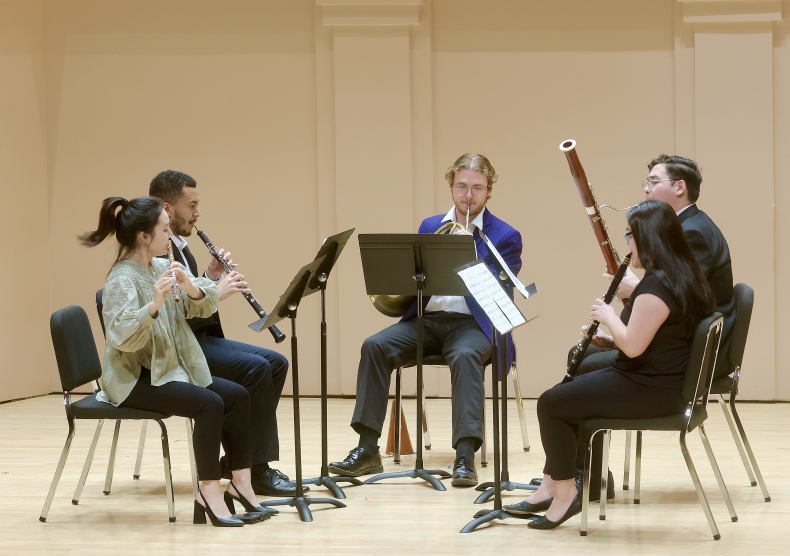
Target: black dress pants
262	372
603	393
221	412
456	337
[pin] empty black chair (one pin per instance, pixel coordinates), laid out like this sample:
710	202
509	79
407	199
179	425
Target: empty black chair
699	375
78	364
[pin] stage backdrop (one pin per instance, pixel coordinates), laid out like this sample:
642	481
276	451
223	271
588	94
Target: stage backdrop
302	118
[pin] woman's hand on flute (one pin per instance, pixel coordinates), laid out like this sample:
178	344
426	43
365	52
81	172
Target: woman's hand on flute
185	283
161	291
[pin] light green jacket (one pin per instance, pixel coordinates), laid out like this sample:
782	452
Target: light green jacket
164	344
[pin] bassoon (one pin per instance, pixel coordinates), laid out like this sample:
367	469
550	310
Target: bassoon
592	327
591	206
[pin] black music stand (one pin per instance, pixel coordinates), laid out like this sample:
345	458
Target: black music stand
286	308
405	264
498	358
329	252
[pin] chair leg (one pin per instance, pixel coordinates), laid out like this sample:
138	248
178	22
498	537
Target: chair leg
484	445
140	447
737	440
192	462
749	451
397	416
168	475
520	406
627	461
426	434
111	464
88	461
58	472
716	471
698	486
638	469
586	485
607	437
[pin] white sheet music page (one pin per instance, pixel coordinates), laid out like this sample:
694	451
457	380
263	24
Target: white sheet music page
493	299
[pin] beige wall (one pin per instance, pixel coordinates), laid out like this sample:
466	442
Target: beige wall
301	118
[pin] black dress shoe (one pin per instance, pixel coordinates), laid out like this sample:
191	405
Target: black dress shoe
252	509
358	462
464	474
595	486
271	482
527	508
543	523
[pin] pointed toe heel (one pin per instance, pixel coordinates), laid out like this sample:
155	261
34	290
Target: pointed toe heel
215	521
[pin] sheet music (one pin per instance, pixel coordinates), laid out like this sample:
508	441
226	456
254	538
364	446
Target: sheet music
524	291
493	299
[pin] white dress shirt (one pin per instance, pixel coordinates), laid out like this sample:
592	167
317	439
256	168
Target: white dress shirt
454	303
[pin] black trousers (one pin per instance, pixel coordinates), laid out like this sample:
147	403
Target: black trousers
221	412
603	393
262	372
456	337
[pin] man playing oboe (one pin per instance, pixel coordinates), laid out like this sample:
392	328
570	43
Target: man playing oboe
261	371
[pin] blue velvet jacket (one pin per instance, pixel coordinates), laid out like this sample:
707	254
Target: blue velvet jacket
507	241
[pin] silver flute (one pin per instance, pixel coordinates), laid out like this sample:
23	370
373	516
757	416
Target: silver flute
174	285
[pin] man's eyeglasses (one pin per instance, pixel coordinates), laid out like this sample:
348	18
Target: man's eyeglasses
648	184
462	190
628	236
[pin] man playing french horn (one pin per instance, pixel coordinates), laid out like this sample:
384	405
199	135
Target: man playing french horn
454	327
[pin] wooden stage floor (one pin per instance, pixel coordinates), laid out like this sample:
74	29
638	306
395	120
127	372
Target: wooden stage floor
396	517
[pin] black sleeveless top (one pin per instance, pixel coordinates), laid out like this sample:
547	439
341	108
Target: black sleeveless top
664	362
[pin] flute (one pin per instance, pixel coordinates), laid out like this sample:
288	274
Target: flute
592	327
174	285
260	311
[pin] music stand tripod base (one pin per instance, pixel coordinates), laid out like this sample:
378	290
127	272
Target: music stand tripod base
426	475
330	482
488	489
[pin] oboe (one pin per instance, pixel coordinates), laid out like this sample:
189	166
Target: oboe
174	285
592	327
276	333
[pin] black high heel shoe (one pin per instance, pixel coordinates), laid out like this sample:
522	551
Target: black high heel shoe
543	523
199	516
526	508
263	511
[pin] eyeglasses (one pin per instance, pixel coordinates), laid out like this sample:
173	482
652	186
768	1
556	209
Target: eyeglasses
649	184
628	236
462	190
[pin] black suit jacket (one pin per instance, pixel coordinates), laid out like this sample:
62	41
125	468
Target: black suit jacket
211	325
711	250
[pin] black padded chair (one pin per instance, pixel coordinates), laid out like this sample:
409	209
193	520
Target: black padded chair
143	431
699	375
744	301
78	364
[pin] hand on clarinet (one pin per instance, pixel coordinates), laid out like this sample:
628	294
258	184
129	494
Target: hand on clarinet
600	339
627	285
602	312
185	282
215	269
161	291
232	283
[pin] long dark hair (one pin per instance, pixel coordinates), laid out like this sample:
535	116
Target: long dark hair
664	251
136	215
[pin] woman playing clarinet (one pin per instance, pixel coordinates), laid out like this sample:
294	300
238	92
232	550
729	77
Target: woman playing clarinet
153	362
654	334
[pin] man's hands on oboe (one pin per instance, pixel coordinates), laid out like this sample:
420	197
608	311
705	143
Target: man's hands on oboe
232	283
215	270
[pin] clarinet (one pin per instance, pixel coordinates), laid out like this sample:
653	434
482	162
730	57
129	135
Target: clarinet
592	327
260	311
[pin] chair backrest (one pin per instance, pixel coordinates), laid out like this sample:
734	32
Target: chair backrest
704	349
75	348
744	302
100	309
